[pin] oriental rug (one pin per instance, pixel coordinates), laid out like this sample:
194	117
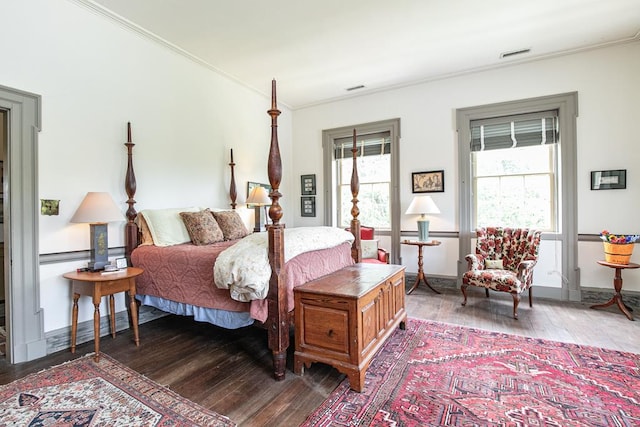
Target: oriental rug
85	393
435	374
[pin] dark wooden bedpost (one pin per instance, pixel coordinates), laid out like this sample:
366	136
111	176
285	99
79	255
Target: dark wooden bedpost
233	193
131	229
356	250
278	320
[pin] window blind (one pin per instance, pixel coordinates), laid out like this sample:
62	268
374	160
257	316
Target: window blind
373	144
514	131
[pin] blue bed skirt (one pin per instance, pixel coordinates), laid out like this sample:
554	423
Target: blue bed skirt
223	318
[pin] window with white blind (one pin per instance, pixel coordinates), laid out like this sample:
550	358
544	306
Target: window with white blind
514	164
517	166
374	172
378	162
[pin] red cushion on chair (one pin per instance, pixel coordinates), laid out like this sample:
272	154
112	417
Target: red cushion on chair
366	233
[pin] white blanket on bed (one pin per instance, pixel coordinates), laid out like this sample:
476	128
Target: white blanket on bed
244	267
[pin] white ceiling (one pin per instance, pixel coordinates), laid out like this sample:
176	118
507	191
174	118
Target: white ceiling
318	49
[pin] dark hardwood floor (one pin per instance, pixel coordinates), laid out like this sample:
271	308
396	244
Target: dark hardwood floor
229	371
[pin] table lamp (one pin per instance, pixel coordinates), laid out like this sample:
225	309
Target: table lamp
258	197
98	209
422	205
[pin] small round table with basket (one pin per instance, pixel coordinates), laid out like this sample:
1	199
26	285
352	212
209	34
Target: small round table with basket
617	285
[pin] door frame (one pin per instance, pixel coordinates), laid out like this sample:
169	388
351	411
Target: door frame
24	314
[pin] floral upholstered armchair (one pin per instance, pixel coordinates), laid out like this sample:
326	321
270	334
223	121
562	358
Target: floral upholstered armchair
503	261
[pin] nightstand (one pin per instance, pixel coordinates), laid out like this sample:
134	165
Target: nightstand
421	276
97	285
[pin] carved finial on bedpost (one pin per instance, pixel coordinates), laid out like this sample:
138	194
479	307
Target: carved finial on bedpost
356	251
274	168
233	193
278	318
131	229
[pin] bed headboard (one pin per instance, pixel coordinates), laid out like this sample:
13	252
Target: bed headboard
132	236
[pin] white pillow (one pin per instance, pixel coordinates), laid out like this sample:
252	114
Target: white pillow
166	226
369	249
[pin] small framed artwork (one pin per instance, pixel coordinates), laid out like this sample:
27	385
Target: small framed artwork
308	184
121	263
428	182
609	180
307	206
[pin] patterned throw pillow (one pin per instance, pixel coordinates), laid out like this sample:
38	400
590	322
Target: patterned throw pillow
493	264
231	224
202	227
369	249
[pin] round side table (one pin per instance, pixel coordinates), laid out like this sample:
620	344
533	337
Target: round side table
421	277
617	285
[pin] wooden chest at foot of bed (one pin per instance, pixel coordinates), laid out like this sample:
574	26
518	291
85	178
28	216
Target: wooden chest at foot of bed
343	318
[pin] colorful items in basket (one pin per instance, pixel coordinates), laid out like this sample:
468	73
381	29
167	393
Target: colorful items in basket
619	239
618	247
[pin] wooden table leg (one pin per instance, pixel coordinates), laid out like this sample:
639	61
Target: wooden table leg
74	322
112	315
421	276
617	296
96	326
134	311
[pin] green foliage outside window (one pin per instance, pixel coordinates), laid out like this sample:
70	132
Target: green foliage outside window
515	187
374	174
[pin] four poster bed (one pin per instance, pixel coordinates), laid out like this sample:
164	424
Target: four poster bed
179	275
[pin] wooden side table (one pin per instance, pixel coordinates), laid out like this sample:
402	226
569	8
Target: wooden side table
421	276
617	285
97	285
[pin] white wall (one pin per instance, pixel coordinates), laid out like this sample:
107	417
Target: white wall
94	76
608	84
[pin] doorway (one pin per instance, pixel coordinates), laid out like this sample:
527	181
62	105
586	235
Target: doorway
3	150
24	319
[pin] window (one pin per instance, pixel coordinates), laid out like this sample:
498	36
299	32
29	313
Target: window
514	164
374	173
486	164
378	173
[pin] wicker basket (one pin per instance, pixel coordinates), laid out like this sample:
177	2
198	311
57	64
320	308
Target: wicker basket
616	253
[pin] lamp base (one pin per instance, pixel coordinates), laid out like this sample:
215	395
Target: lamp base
96	266
257	220
99	246
423	230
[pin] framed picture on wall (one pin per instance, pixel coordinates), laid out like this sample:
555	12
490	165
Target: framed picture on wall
609	180
307	206
308	185
427	182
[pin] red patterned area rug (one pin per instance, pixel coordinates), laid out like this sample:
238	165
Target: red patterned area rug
435	374
85	393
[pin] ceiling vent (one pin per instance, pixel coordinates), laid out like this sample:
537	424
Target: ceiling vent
349	89
514	52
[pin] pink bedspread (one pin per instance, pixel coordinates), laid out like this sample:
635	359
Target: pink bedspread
184	273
